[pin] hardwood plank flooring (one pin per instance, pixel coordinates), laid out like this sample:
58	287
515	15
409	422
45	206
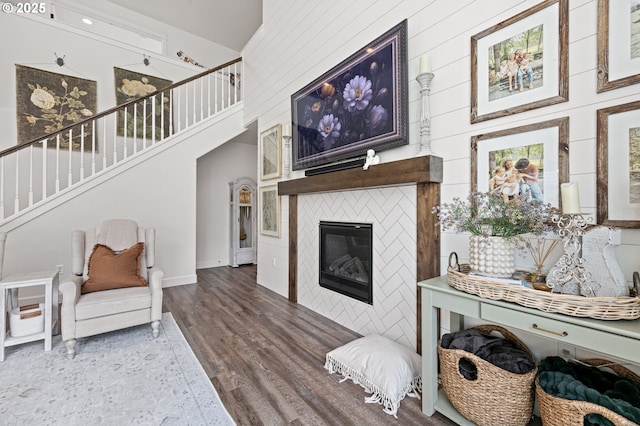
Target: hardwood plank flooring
265	355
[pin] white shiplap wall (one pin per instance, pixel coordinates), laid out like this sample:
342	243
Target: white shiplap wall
299	41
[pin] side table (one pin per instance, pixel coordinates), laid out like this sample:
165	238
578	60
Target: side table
48	279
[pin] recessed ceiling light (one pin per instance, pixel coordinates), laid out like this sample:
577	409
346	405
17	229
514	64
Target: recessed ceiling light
87	21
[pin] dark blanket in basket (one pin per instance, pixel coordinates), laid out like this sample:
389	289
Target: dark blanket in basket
586	383
500	352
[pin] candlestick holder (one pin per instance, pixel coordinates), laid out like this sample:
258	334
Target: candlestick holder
571	228
286	156
425	113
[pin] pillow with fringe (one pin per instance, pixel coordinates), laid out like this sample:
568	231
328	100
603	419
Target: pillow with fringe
385	369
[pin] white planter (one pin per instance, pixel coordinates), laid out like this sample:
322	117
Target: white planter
24	327
492	256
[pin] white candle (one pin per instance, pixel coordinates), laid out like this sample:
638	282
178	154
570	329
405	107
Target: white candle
287	130
425	64
570	198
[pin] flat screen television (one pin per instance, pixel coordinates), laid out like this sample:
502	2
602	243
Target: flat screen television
358	105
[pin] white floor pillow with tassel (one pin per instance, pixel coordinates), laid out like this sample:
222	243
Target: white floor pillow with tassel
384	368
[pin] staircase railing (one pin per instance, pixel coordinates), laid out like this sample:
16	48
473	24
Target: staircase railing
36	171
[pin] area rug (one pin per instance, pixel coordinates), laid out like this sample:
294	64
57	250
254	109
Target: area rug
118	378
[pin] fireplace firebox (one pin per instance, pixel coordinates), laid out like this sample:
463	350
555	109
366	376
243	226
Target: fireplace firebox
345	259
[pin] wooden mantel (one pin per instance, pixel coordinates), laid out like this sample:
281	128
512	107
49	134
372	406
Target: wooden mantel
424	171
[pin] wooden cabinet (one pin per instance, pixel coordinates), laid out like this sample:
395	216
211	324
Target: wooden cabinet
242	237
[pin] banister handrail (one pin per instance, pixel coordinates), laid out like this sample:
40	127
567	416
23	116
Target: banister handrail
116	108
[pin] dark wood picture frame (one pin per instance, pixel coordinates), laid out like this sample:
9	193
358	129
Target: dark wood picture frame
609	135
512	138
605	60
359	104
541	91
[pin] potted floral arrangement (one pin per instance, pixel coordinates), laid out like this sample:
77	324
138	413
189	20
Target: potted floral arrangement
497	228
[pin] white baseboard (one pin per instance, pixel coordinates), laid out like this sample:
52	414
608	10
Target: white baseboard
212	263
176	281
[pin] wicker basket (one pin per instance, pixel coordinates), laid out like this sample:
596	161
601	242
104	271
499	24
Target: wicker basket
556	411
605	308
497	396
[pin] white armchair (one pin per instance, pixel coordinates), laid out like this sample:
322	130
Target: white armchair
99	312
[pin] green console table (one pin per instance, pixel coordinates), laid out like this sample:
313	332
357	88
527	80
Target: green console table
619	339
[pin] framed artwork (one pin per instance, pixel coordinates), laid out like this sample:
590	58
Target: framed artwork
358	105
271	153
619	50
531	161
269	210
47	102
149	121
618	165
521	63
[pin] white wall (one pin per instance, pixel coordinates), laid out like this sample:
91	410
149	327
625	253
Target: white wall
235	159
294	47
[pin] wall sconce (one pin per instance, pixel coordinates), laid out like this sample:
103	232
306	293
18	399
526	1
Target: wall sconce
286	155
424	78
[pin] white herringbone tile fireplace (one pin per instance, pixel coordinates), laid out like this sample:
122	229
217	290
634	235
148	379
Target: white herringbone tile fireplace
392	211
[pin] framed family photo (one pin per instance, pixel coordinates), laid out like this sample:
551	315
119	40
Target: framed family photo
521	63
619	50
357	105
531	161
618	165
271	153
269	202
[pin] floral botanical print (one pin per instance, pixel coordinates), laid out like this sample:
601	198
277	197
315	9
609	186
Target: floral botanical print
146	118
47	102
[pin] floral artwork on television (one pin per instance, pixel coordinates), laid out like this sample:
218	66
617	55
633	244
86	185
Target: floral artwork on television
360	104
47	102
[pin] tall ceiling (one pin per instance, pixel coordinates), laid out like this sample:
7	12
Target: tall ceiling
228	23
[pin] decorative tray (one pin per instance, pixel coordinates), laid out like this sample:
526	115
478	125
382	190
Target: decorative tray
605	308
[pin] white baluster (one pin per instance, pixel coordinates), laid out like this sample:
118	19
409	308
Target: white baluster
228	86
57	163
104	140
215	92
179	89
124	139
202	97
45	147
70	173
16	203
208	95
171	117
153	119
81	177
135	130
30	175
194	103
93	147
161	116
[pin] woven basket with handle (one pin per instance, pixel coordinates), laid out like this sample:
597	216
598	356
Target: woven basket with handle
497	396
556	411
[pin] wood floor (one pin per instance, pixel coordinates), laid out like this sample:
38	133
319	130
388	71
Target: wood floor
265	355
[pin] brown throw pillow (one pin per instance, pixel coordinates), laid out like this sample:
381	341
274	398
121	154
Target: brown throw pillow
108	270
